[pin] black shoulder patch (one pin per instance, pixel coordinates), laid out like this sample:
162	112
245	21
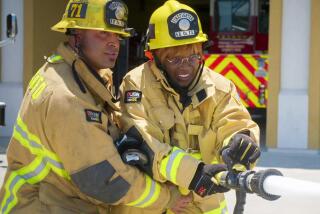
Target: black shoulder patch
132	96
93	116
201	95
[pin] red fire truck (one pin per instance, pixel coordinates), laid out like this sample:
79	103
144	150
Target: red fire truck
239	32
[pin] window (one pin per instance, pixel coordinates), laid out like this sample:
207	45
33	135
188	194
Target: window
263	18
232	15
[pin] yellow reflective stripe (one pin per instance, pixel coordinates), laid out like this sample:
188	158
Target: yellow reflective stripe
245	152
150	194
196	155
33	144
9	190
39	90
37	85
55	58
32	173
222	209
163	168
169	165
34	80
174	169
215	161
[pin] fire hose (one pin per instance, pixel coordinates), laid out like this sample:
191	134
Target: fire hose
269	184
245	182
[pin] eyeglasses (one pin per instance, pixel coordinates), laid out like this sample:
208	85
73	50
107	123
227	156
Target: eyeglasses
192	60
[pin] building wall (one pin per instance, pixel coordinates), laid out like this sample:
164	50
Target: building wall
11	66
293	114
314	79
22	59
275	41
293	97
40	16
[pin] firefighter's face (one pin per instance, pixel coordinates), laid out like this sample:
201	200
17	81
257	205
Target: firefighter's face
182	69
100	48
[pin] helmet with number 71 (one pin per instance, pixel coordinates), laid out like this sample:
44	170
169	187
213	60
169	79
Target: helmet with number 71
174	24
102	15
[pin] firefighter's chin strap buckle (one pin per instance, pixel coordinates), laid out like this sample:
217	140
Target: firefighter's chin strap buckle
131	31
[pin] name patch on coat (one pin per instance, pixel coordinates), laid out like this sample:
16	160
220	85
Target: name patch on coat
133	96
93	116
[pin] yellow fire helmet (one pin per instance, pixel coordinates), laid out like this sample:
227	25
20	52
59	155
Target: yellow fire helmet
174	24
102	15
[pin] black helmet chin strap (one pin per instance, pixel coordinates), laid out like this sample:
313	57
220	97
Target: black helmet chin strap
198	76
185	99
79	48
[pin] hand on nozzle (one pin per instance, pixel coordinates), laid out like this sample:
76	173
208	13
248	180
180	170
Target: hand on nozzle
202	183
241	150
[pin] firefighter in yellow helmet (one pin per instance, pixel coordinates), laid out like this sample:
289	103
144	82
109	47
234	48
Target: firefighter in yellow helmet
182	112
62	158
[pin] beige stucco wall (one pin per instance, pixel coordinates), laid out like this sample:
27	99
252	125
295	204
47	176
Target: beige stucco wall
314	78
40	41
274	71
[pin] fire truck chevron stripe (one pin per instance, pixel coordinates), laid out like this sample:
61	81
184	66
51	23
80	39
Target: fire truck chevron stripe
248	98
250	67
216	62
247	73
243	70
244	79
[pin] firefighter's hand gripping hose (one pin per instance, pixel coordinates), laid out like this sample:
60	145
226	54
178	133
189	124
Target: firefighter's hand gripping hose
241	149
202	184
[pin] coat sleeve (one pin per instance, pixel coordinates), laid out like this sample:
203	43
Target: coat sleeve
231	117
168	163
76	132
